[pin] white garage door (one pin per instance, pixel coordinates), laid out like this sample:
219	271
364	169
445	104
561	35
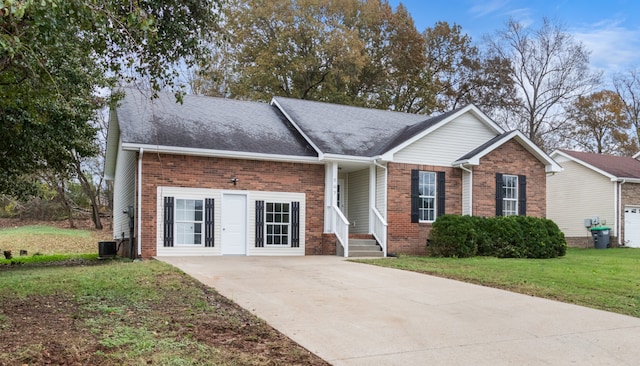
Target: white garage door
632	227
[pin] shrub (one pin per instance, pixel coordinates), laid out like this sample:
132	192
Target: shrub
502	237
453	236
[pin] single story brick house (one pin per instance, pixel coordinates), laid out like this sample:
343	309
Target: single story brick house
595	185
218	176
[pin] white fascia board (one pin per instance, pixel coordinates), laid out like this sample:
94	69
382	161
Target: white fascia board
388	156
626	180
636	155
220	153
295	125
586	165
347	158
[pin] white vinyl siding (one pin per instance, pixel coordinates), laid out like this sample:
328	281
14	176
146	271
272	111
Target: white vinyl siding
448	143
124	191
466	192
578	193
216	194
381	188
358	201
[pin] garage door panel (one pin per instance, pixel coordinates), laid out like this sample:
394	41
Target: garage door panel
632	227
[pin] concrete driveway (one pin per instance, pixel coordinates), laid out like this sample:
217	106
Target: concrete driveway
357	314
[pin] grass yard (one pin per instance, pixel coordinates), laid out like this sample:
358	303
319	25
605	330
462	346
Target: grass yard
119	312
66	309
607	279
45	239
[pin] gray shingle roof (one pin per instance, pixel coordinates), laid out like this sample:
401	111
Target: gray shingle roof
348	130
208	123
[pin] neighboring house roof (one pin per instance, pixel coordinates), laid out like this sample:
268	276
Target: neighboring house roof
614	167
473	157
346	130
207	123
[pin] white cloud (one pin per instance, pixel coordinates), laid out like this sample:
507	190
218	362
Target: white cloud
613	47
487	7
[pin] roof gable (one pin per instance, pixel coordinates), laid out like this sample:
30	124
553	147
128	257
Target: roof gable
614	167
346	130
207	123
473	157
434	123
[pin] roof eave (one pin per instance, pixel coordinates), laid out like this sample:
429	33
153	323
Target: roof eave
174	150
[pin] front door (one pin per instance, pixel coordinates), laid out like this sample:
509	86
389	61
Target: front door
341	195
632	227
234	224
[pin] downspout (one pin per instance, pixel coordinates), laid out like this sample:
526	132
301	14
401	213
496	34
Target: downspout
471	187
619	211
139	221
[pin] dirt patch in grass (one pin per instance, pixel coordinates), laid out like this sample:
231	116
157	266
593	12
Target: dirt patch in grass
63	329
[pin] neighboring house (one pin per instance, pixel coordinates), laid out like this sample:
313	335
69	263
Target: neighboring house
595	185
226	177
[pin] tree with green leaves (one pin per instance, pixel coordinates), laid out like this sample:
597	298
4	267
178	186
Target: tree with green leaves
55	55
600	124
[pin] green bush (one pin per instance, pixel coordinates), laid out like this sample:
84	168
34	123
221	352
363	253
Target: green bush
453	236
502	237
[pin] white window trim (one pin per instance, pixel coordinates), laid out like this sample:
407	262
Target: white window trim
281	224
515	199
434	197
176	222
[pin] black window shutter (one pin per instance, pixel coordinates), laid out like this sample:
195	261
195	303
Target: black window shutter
441	194
522	195
259	224
415	195
295	224
499	184
168	221
209	206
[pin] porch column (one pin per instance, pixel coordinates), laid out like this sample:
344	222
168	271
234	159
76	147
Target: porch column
330	194
372	196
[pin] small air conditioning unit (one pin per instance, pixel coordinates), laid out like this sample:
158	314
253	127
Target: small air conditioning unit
106	249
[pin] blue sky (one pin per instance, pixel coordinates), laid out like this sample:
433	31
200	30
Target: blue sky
609	29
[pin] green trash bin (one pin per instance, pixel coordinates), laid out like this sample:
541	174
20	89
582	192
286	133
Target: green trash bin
601	236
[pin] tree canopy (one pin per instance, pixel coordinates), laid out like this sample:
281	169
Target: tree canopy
357	52
56	54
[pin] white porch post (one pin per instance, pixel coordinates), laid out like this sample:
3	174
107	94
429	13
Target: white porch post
372	196
330	194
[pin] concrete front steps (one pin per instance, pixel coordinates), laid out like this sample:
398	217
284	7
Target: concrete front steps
359	247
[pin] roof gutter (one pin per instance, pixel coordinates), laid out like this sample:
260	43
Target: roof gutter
219	153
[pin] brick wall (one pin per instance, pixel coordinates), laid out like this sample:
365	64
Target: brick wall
402	235
510	158
215	173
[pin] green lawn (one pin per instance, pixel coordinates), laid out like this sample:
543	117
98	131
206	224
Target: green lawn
604	279
45	239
